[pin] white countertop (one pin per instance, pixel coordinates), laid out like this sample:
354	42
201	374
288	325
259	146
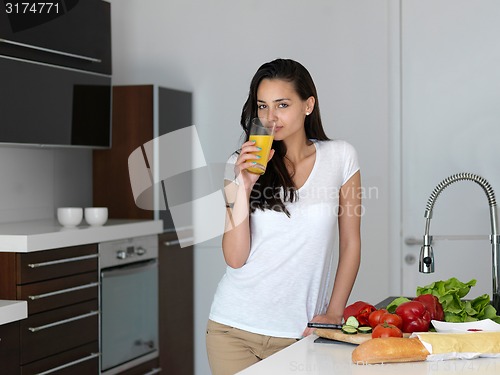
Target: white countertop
308	357
26	236
11	311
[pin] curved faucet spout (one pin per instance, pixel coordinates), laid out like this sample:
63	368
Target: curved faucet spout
426	264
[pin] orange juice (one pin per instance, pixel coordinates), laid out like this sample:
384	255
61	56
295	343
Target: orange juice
264	142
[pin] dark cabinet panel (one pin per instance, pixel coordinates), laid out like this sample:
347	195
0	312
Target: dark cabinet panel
54	331
134	114
51	294
75	34
132	127
9	348
50	264
174	113
82	360
176	306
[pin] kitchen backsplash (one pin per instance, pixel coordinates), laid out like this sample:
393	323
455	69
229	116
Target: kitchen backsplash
35	181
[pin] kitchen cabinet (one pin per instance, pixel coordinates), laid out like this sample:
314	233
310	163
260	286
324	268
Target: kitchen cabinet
78	36
61	287
9	348
176	305
140	114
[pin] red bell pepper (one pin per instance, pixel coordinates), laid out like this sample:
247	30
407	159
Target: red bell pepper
433	305
360	310
416	318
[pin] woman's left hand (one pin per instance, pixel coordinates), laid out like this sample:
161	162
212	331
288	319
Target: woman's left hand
320	319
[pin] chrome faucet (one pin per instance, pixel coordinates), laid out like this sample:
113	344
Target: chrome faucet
426	263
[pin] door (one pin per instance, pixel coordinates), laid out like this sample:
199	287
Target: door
129	312
450	123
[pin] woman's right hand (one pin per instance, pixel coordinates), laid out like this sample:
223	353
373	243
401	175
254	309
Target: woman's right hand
245	160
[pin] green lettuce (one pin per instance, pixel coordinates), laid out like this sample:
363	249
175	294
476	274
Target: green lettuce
391	307
451	293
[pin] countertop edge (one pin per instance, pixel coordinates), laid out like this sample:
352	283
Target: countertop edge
57	237
11	311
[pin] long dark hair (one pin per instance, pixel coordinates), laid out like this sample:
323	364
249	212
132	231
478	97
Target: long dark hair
276	186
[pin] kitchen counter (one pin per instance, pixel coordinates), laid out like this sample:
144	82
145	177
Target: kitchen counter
26	236
36	235
308	357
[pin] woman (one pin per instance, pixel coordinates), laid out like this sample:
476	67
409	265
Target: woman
281	227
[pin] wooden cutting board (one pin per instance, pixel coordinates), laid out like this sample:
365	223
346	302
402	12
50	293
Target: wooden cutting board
338	335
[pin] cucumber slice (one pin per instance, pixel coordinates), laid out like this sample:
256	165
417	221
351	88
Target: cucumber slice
350	330
365	329
352	321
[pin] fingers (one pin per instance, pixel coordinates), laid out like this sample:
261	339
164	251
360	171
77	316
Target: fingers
271	154
307	332
247	155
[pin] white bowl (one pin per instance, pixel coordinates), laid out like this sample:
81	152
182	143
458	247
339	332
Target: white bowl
96	216
69	217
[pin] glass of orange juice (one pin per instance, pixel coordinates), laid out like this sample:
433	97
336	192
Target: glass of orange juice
262	132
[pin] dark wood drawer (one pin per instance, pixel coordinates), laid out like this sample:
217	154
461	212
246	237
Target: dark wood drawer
51	294
51	264
81	360
58	330
9	348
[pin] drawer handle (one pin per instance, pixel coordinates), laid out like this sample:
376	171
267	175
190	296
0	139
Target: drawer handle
178	242
50	325
61	291
69	364
65	260
153	371
54	51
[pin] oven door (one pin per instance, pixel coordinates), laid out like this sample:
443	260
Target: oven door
129	312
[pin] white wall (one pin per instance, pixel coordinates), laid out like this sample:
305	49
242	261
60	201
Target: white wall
214	48
34	181
450	121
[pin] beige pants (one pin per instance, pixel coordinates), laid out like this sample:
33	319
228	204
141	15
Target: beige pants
231	349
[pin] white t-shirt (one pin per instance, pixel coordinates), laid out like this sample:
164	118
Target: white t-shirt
284	282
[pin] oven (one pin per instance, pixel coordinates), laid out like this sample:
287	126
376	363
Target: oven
128	301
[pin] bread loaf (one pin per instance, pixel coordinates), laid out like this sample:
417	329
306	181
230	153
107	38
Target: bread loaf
389	349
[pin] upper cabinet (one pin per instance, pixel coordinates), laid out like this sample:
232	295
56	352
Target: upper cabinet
55	69
142	116
69	33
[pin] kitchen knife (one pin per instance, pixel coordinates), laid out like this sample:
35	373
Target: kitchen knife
324	325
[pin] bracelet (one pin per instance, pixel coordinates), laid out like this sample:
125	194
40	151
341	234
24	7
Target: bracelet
229	205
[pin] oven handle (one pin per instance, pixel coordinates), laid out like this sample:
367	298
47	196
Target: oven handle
153	371
69	364
61	291
65	260
130	269
64	321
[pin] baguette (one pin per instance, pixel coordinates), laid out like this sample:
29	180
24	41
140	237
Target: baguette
390	349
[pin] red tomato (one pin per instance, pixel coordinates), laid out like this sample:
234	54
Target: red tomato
393	319
386	330
374	317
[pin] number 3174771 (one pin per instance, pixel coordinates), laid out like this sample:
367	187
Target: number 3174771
32	8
